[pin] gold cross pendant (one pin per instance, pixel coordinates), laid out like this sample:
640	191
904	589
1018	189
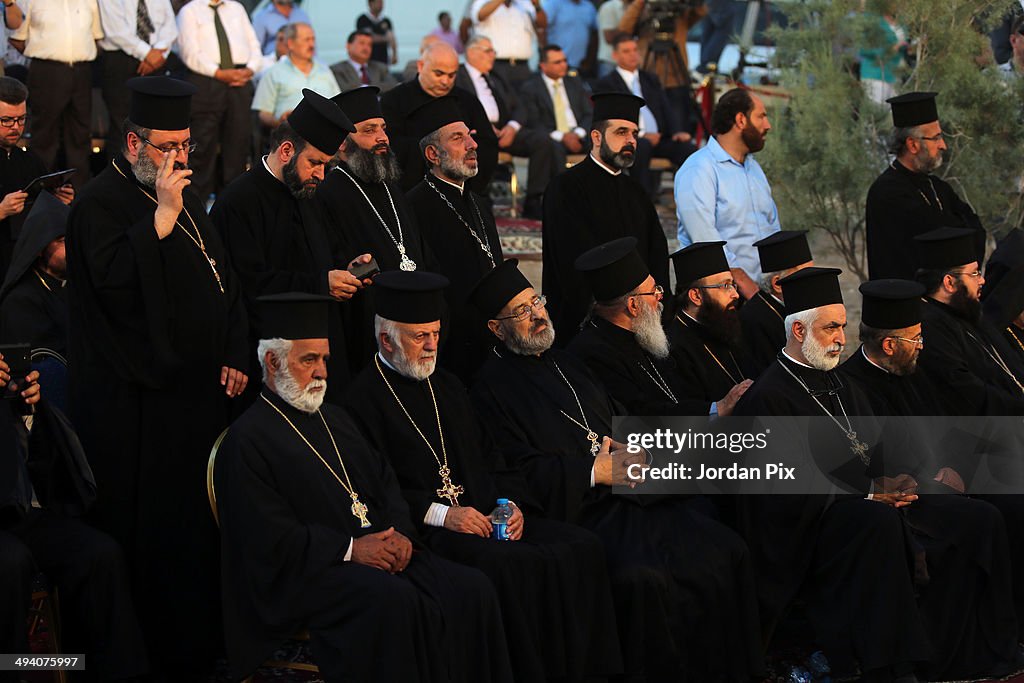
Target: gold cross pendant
450	491
360	511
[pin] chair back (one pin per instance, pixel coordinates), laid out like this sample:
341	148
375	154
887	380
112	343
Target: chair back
211	492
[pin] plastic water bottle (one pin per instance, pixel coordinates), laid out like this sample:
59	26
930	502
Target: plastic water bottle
499	520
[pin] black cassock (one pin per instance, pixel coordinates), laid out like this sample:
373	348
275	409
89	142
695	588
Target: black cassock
707	368
286	525
964	363
555	596
584	207
355	223
682	582
18	168
150	331
642	384
399	102
847	556
764	332
449	233
968	604
279	244
902	204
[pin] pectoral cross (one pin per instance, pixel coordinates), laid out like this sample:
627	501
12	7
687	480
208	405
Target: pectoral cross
216	275
595	446
448	490
859	448
360	511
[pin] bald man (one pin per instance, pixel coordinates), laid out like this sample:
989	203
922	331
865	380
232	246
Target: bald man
436	71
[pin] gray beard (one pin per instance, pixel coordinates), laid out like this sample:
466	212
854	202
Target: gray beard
145	170
817	354
301	399
458	171
650	335
529	345
370	167
417	370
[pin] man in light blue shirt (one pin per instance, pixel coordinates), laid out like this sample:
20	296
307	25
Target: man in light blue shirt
269	20
721	192
572	25
280	88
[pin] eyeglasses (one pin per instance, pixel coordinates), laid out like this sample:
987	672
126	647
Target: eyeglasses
729	286
187	147
976	274
657	292
522	312
12	121
916	341
932	138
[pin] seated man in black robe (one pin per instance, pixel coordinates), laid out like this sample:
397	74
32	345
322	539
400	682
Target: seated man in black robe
764	334
906	200
275	234
705	337
45	487
681	581
967	606
595	202
33	300
554	592
623	342
457	226
846	555
315	535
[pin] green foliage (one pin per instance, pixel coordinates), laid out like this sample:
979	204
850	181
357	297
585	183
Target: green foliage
829	141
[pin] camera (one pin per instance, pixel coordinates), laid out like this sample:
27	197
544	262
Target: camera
661	14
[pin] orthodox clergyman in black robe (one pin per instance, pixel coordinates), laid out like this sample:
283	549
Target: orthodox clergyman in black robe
623	343
681	581
274	231
846	555
705	334
458	227
1003	296
595	202
763	315
33	299
555	596
967	605
438	67
907	200
45	487
315	535
158	338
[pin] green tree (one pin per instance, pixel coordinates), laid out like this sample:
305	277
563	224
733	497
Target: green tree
830	142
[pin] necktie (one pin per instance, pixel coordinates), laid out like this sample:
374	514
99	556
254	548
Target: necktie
364	75
648	124
222	39
561	120
143	24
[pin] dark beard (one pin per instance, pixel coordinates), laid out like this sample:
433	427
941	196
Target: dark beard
617	160
964	305
723	324
295	185
371	167
752	139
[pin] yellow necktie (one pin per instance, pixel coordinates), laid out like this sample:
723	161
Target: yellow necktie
561	120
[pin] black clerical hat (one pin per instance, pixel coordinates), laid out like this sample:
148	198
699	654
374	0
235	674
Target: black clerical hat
320	122
160	103
698	260
435	114
613	269
811	288
617	105
409	296
360	104
783	250
891	304
293	315
945	248
913	109
499	286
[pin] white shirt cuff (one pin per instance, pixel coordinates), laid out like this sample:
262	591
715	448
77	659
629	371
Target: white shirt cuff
348	553
557	135
435	514
580	133
515	125
592	476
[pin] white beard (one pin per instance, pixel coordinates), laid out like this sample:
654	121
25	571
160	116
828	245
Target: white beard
650	335
307	400
817	354
418	370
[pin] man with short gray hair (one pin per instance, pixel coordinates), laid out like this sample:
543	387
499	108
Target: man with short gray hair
280	88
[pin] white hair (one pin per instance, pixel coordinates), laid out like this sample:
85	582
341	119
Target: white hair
807	318
765	281
387	327
279	348
418	370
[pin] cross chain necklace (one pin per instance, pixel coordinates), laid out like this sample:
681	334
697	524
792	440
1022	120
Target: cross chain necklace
484	245
406	262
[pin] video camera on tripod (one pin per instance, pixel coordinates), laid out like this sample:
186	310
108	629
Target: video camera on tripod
661	14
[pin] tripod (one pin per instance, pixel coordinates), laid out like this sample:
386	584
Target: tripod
664	50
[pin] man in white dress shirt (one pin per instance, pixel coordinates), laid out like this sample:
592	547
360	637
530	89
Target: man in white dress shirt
137	37
60	38
219	46
513	26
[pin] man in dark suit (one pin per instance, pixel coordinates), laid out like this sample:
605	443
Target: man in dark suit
661	128
507	115
359	69
558	104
